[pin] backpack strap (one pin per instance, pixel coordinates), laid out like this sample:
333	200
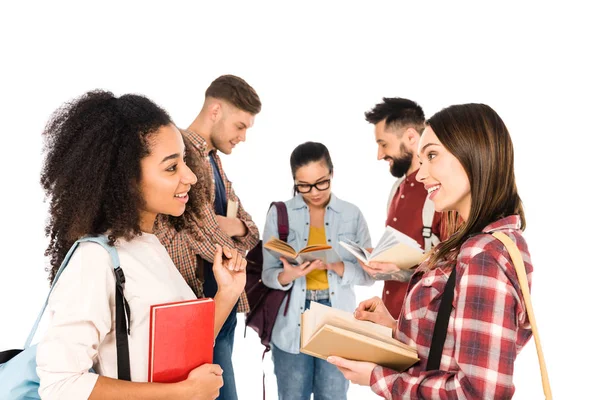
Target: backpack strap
393	192
122	307
283	227
441	324
517	259
428	214
430	239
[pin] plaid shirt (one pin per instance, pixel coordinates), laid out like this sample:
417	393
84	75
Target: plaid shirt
488	325
184	247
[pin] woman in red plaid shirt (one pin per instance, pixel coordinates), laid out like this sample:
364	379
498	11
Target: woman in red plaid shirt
467	167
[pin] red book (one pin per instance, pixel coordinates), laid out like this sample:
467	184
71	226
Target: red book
181	339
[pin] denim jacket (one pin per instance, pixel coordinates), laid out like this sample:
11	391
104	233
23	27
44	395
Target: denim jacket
343	220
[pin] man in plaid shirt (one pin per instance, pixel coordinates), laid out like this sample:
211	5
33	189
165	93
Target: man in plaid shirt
228	111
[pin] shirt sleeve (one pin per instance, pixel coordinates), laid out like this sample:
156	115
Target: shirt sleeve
485	330
183	247
80	318
353	272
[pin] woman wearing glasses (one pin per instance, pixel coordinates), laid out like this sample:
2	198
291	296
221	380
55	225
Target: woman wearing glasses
316	216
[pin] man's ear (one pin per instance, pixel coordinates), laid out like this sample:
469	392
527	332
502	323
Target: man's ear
412	136
215	111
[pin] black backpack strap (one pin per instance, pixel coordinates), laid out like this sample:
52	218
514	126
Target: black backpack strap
441	324
443	318
123	322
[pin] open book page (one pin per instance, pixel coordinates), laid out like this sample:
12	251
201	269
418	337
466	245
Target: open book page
356	250
345	320
326	331
391	237
328	256
278	247
323	252
393	247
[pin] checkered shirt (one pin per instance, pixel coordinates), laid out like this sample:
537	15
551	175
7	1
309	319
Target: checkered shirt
488	325
184	247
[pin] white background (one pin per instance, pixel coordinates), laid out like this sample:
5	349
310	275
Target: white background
317	67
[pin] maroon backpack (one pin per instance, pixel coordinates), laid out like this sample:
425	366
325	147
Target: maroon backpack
264	301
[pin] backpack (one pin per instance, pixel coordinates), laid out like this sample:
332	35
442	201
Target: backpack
18	376
264	301
428	213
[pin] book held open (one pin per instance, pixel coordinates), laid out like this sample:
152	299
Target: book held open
181	339
326	331
393	247
321	252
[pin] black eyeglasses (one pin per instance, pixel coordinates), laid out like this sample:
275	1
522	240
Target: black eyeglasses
306	187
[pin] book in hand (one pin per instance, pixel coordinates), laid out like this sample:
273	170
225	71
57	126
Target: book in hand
393	247
326	331
181	339
321	252
232	209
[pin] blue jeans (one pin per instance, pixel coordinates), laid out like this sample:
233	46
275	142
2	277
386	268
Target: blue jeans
223	352
299	375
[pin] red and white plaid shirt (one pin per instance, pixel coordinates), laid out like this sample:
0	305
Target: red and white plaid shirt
488	325
184	247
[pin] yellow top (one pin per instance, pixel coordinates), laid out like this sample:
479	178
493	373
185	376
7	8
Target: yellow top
317	279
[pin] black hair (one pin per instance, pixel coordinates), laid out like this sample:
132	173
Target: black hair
397	113
309	152
91	171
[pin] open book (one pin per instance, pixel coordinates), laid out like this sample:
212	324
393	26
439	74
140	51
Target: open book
326	331
321	252
393	247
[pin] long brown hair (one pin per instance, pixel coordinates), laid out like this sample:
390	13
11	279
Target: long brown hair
476	135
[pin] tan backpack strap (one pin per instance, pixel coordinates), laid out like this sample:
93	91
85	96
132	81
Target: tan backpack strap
517	259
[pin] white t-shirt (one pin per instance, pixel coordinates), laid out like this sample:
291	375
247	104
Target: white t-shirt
81	333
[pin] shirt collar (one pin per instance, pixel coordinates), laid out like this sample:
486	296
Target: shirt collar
511	222
334	203
197	141
412	177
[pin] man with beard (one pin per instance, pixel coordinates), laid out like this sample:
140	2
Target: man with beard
229	108
398	127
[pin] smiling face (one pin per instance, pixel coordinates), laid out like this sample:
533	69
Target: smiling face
165	178
230	127
314	173
443	176
395	148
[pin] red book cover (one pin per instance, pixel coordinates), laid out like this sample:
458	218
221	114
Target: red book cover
181	339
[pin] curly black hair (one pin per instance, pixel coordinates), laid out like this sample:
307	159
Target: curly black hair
91	172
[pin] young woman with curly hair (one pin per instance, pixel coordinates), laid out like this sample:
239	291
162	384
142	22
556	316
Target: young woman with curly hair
113	164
